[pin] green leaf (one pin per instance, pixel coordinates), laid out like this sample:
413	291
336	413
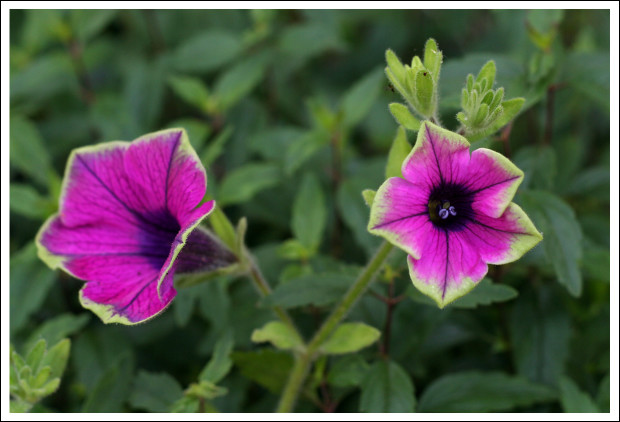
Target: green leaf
350	337
603	396
35	355
267	367
87	23
432	58
223	228
220	363
207	51
574	400
30	282
481	392
484	294
369	196
301	149
279	334
404	117
309	213
27	150
315	289
41	377
58	328
395	66
26	201
425	92
399	150
487	72
192	90
113	388
562	236
145	85
239	81
349	371
216	147
540	333
154	392
387	388
357	100
306	40
539	164
243	183
293	249
57	357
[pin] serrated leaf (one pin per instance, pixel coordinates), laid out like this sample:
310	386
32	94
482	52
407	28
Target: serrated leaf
309	213
387	388
481	392
315	289
243	183
404	117
573	399
220	363
562	236
154	392
350	337
279	334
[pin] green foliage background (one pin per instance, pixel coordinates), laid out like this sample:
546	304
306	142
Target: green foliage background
289	112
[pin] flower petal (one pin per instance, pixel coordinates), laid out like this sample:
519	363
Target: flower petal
399	213
194	218
168	172
504	239
121	266
448	268
493	180
438	157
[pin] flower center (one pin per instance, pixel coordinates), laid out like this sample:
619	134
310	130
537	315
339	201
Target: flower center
449	206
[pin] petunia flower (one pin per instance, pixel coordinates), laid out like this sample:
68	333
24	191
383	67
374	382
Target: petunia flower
127	221
452	213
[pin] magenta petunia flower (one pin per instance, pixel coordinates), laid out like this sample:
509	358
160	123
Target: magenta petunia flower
452	213
127	222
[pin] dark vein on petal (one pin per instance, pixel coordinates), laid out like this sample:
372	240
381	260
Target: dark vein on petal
445	276
145	254
430	139
494	184
132	211
494	228
378	226
133	299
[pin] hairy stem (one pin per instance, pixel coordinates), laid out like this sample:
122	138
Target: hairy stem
303	362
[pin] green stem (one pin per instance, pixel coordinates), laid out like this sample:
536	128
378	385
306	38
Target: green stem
303	362
264	289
